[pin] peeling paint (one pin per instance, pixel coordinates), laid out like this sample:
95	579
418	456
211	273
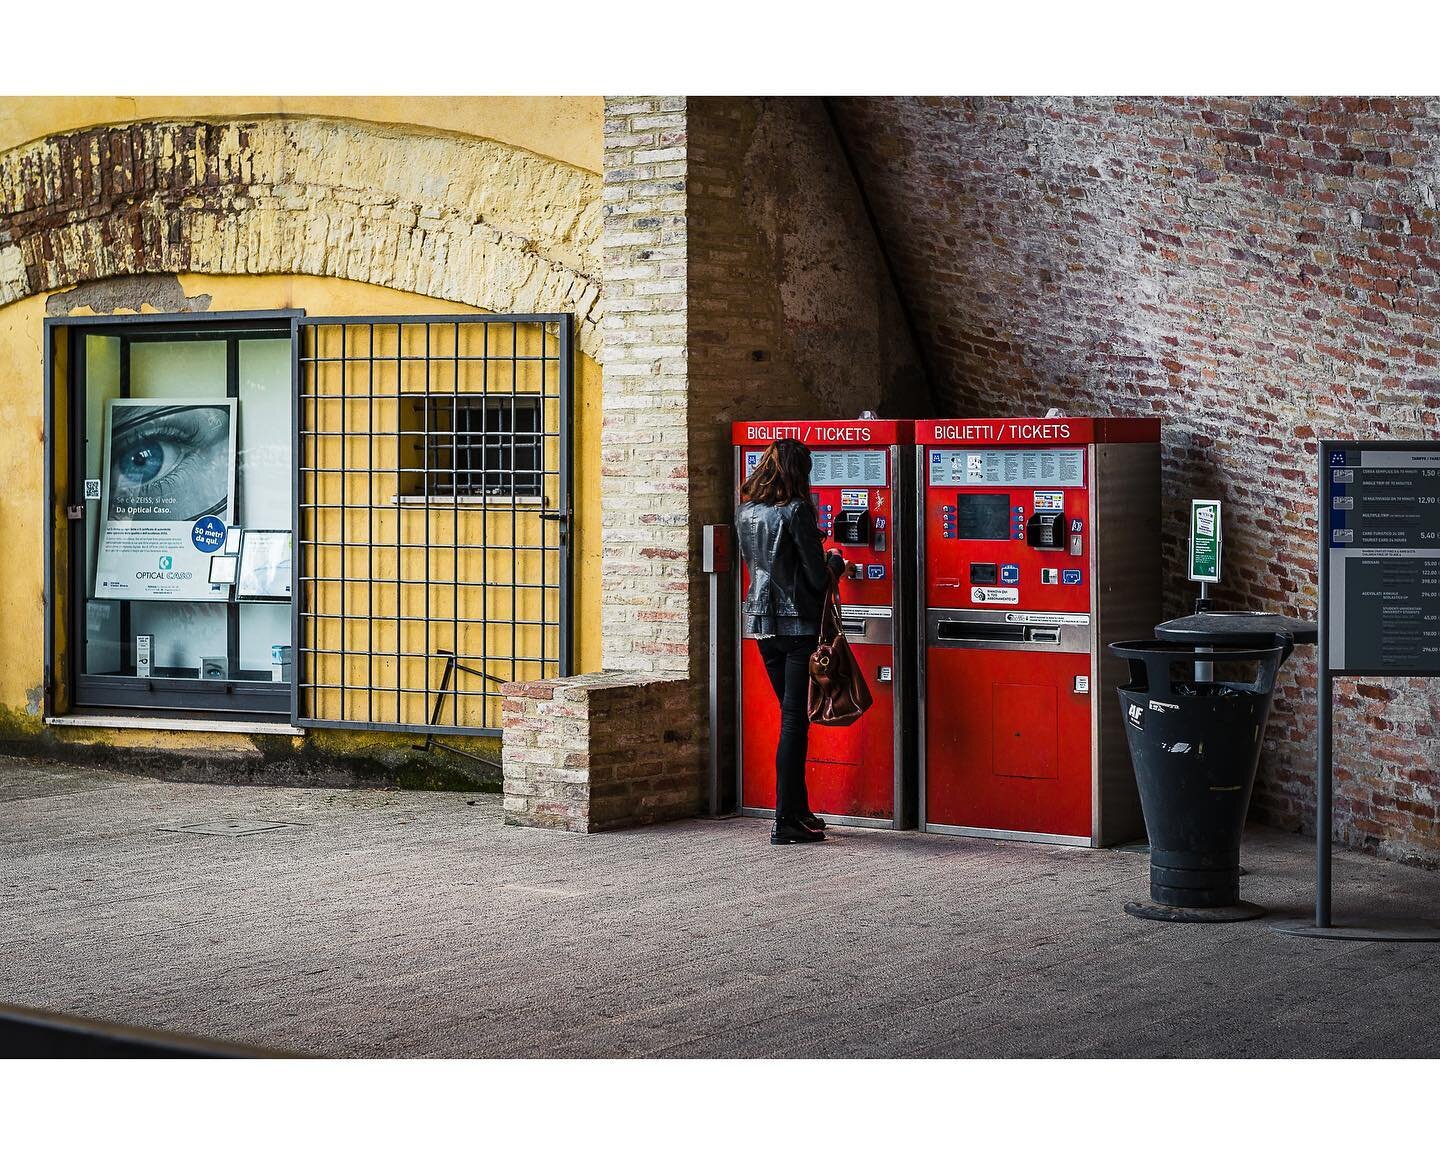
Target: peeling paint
160	293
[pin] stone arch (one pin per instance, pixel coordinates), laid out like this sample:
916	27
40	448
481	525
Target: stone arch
455	217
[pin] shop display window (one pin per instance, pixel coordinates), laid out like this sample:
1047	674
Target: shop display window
347	521
182	439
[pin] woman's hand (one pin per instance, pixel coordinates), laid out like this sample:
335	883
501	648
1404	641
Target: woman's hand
836	560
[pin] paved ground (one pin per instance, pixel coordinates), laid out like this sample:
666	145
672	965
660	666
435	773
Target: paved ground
417	924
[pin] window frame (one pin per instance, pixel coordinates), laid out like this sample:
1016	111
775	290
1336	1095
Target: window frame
441	483
69	690
254	706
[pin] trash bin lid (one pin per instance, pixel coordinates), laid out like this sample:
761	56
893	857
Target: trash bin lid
1252	628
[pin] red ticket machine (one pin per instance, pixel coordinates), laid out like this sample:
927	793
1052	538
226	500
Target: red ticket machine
861	483
1040	544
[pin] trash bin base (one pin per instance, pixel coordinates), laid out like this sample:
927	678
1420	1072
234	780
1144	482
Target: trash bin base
1149	910
1194	893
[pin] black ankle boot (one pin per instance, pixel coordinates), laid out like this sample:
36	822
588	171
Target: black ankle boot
793	832
810	820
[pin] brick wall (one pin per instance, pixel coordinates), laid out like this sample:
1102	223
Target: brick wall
644	491
791	310
740	280
626	746
1258	273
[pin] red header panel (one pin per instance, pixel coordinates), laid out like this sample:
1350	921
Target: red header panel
1036	433
825	433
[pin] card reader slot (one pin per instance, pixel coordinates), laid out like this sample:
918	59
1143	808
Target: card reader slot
970	630
1042	635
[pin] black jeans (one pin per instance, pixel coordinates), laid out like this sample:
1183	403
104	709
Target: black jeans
787	660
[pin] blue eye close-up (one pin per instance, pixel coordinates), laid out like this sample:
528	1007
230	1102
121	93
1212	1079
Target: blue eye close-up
142	464
169	461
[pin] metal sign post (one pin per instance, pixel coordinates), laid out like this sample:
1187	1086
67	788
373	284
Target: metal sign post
1379	614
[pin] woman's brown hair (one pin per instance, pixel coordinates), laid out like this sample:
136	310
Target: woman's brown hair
782	475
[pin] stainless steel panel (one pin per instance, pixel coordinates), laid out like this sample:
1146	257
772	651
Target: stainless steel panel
738	595
902	493
916	626
865	628
1125	570
1006	834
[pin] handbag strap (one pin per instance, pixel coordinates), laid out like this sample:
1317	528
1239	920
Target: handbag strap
830	612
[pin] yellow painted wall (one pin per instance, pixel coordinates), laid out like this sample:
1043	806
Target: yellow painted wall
565	128
22	489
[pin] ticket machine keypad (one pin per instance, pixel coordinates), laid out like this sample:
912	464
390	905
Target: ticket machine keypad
857	522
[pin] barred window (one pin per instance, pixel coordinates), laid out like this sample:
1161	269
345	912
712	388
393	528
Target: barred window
480	446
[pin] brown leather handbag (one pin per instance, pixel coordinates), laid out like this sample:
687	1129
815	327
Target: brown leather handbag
838	692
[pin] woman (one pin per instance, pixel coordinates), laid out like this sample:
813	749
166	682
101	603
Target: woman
781	544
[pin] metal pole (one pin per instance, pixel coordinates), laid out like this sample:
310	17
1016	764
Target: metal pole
1323	803
1324	701
1204	669
714	693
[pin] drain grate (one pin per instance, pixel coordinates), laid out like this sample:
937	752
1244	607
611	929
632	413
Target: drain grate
230	827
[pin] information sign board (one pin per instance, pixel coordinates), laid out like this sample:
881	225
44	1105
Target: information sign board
1205	541
1380	551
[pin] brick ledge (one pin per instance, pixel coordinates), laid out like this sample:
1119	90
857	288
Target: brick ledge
601	750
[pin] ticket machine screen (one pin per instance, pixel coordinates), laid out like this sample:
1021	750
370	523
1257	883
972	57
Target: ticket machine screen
982	517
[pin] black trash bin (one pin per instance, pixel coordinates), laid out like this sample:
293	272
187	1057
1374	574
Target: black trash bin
1195	746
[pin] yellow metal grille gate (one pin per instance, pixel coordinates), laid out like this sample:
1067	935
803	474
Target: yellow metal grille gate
432	517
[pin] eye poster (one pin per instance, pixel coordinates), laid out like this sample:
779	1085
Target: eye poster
168	493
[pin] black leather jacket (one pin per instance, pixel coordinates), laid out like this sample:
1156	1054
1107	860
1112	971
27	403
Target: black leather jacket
785	553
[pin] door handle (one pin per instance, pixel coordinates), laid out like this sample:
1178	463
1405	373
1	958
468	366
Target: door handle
563	519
